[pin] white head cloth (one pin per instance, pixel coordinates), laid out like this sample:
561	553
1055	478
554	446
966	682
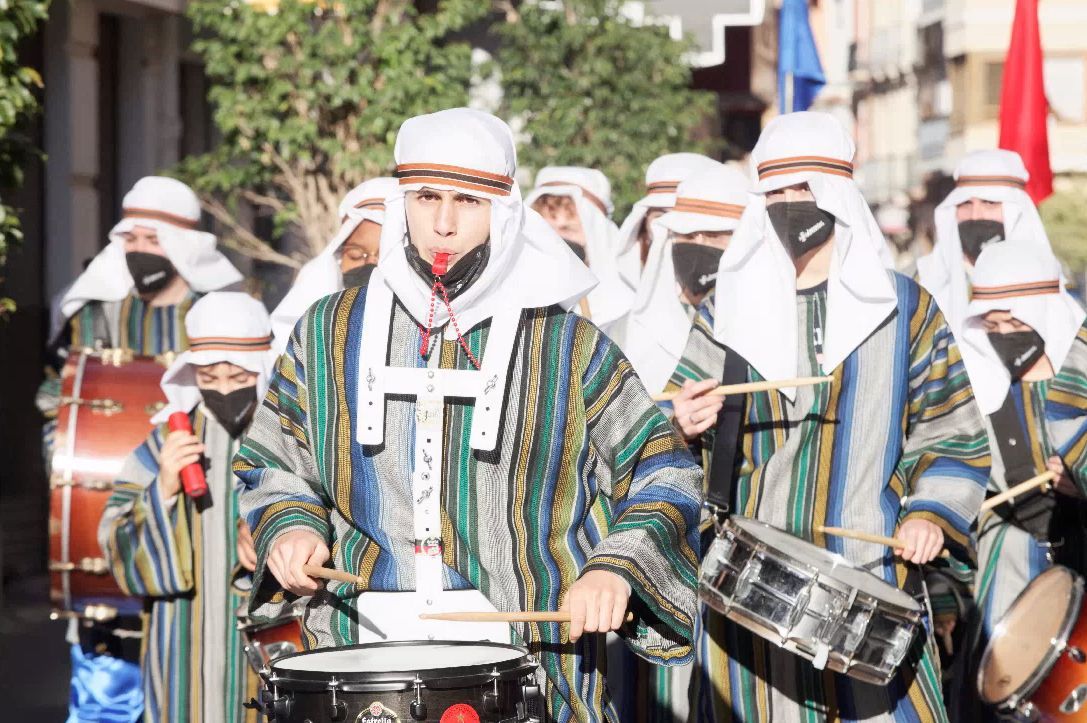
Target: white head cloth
661	180
591	193
711	200
993	175
756	283
1015	276
530	266
224	326
321	275
173	210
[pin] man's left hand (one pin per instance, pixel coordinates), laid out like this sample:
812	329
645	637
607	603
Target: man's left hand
597	603
924	541
247	553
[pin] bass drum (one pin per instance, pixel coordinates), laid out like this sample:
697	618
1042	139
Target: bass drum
107	400
446	682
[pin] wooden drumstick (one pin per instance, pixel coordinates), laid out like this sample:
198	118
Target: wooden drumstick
892	542
723	390
328	573
528	616
1037	481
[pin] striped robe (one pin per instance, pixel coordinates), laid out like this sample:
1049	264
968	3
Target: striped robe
132	323
181	558
588	474
896	436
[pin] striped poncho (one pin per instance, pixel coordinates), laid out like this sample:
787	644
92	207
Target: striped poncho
131	323
587	474
180	556
895	436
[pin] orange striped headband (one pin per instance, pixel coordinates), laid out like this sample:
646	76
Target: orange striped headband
708	208
377	204
153	215
1009	181
662	187
1008	291
805	164
230	343
456	176
589	195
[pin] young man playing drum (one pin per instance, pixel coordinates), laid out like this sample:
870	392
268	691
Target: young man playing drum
456	438
893	446
181	551
348	260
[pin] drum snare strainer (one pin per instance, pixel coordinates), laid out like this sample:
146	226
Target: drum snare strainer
808	600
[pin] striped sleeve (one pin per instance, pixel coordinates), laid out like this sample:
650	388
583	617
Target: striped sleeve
145	537
1066	410
945	463
280	491
654	487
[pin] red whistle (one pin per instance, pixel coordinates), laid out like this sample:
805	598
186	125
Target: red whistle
440	265
192	476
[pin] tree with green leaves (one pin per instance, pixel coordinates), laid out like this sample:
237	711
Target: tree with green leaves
308	98
1065	216
18	103
589	88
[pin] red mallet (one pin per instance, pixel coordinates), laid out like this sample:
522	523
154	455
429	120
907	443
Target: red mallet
192	476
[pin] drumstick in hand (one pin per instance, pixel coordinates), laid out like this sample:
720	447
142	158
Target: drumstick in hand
327	573
723	390
528	616
893	542
1038	481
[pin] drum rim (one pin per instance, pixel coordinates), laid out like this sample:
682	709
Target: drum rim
351	679
826	579
1056	644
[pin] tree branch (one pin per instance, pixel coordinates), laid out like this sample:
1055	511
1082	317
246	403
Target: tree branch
245	241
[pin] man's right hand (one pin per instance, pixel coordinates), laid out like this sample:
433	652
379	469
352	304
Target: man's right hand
290	552
695	412
178	451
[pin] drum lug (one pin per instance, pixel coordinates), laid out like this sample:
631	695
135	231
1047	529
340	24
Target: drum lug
92	565
1076	654
337	709
1027	710
97	485
108	407
490	698
418	709
92	613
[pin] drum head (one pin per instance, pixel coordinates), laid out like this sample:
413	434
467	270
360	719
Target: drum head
827	563
1028	637
360	662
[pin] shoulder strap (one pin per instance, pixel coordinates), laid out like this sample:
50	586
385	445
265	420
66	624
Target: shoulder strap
727	438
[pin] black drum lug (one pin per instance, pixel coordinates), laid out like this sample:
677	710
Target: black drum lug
337	711
490	697
418	709
281	709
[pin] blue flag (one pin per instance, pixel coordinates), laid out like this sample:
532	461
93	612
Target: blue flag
798	59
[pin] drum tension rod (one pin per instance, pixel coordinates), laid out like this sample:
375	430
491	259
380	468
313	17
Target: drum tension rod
337	709
418	708
1076	654
490	698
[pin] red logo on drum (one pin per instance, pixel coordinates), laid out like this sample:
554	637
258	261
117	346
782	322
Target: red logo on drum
460	713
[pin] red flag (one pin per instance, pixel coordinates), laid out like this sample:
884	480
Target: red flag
1023	107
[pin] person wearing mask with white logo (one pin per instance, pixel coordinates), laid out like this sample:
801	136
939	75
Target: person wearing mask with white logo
576	202
988	205
348	260
185	554
458	438
893	445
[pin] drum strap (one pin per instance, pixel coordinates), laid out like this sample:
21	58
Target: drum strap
728	435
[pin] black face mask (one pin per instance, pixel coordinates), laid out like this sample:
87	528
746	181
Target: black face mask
151	272
358	276
976	235
462	274
578	249
801	225
696	266
234	411
1019	350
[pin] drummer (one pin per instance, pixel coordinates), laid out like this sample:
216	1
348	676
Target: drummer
894	446
181	553
470	472
576	202
348	260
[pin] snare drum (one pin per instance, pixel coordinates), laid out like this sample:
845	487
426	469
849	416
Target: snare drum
450	682
107	400
267	641
808	600
1035	665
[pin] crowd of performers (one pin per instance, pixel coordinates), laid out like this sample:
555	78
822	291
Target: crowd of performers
457	401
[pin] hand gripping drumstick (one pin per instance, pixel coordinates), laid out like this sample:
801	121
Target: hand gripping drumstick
893	542
528	616
723	390
1038	481
328	573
